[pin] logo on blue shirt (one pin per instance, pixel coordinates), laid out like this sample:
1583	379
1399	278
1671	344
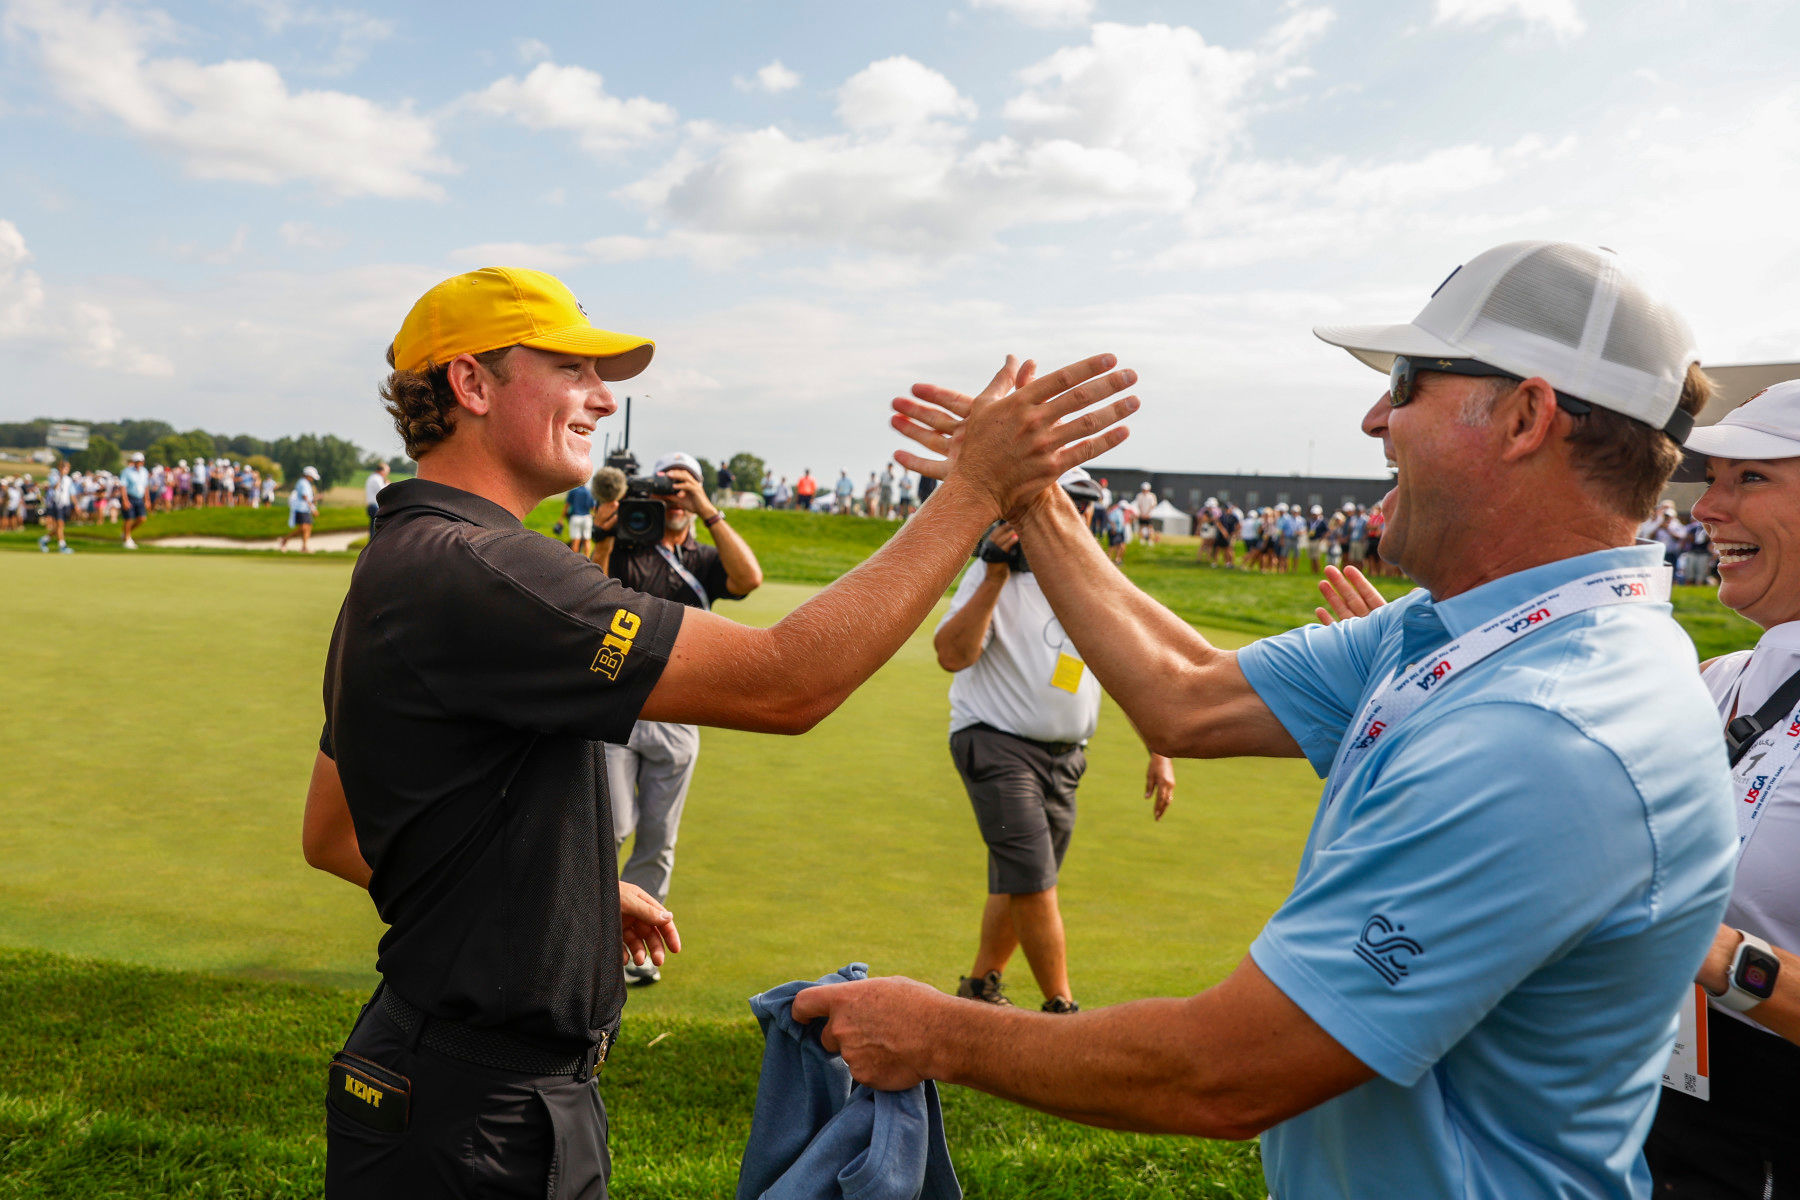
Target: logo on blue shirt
1382	947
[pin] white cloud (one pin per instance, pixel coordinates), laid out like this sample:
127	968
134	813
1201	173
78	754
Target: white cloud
899	93
1558	16
77	328
228	120
1122	124
574	100
1043	13
773	79
532	50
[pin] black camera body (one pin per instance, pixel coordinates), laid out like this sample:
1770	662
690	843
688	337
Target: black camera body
640	514
987	552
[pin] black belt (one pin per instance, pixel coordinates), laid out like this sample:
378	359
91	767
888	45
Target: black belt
1055	749
490	1047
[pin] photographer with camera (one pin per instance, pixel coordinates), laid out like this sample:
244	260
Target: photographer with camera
1022	708
648	776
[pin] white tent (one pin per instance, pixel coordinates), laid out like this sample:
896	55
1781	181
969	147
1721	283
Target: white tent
1170	519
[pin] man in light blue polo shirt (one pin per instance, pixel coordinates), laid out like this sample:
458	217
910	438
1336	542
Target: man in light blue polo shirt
1521	853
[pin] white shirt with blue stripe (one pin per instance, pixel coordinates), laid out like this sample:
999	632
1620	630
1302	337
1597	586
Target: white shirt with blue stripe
1504	904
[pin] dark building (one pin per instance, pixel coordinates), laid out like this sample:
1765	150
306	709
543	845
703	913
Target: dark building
1187	490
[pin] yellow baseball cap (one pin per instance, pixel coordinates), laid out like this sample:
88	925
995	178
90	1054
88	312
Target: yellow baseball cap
509	306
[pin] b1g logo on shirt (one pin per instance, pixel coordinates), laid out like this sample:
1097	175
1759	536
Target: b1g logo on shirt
617	644
1530	619
1385	947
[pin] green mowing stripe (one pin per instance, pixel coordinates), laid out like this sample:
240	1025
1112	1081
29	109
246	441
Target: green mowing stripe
131	1082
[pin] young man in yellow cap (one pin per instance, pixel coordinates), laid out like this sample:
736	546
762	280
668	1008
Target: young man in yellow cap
475	670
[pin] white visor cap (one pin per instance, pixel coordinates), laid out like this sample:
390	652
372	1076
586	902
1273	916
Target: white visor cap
1766	426
1571	314
686	461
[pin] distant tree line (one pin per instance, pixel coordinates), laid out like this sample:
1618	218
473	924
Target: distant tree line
109	441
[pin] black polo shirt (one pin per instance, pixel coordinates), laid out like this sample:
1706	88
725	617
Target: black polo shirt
475	670
642	569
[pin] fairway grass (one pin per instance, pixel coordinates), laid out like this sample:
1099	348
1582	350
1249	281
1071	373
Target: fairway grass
152	813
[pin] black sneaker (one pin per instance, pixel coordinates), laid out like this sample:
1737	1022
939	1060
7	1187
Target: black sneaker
986	989
1058	1005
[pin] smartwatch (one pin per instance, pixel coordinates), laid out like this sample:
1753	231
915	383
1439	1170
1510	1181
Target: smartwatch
1750	979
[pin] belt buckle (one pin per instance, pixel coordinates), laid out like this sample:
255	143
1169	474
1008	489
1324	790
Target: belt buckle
592	1057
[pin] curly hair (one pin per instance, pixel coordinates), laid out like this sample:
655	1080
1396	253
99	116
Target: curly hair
423	404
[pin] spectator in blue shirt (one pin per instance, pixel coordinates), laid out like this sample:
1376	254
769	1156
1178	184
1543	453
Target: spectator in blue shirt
1472	989
578	511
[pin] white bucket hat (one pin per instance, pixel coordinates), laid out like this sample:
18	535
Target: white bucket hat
1570	314
1766	426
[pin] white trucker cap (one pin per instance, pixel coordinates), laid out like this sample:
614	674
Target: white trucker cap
1573	315
1766	426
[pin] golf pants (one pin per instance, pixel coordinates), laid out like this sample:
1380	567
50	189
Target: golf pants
648	780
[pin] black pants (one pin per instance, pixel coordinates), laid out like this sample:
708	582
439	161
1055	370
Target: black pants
471	1131
1744	1142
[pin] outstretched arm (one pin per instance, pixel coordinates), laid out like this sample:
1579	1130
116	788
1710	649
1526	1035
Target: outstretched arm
1187	698
786	678
1227	1063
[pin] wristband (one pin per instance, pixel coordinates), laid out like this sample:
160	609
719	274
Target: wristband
709	522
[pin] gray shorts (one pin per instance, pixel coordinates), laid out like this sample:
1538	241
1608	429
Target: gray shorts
1024	802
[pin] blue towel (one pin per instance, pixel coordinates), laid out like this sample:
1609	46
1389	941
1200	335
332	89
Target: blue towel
818	1135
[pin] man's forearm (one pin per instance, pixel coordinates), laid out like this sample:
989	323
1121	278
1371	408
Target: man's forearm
959	640
786	678
742	571
1155	665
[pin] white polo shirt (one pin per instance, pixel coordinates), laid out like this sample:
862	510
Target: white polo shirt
372	487
1009	686
1764	900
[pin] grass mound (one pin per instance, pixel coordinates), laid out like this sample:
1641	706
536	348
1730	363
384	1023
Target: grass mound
123	1081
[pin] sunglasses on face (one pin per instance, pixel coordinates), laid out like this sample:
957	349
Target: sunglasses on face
1403	380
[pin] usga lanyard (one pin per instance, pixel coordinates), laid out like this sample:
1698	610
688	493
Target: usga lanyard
1760	770
1398	698
687	576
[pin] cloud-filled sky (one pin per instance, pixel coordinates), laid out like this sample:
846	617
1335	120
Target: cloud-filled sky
218	212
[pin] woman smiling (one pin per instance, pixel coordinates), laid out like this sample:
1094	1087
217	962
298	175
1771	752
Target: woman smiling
1742	1140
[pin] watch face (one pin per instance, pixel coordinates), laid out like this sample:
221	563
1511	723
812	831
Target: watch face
1756	973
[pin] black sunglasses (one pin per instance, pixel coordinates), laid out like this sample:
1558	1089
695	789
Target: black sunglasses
1402	377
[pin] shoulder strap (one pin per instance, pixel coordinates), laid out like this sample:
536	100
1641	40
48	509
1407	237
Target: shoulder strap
1741	733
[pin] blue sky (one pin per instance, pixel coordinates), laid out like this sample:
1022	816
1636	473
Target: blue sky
218	213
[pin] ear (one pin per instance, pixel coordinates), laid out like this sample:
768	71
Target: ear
471	383
1528	418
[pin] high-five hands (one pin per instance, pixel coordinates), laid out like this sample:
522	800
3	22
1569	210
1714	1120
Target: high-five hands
1020	433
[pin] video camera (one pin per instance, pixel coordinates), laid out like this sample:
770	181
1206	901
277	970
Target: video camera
640	514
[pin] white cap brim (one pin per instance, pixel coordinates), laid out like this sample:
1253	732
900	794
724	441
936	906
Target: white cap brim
1737	441
1377	345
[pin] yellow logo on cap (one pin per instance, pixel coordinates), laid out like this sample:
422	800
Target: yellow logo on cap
617	644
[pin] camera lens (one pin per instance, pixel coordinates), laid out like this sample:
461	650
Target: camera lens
635	521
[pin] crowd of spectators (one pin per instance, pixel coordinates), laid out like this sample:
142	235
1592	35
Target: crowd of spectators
1687	548
890	494
66	496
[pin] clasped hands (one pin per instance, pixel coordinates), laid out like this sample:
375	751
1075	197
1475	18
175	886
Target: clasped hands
1013	439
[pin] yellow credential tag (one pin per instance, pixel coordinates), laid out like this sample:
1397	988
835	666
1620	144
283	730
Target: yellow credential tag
1068	672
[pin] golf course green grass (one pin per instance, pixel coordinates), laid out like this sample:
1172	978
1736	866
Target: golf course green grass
175	976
